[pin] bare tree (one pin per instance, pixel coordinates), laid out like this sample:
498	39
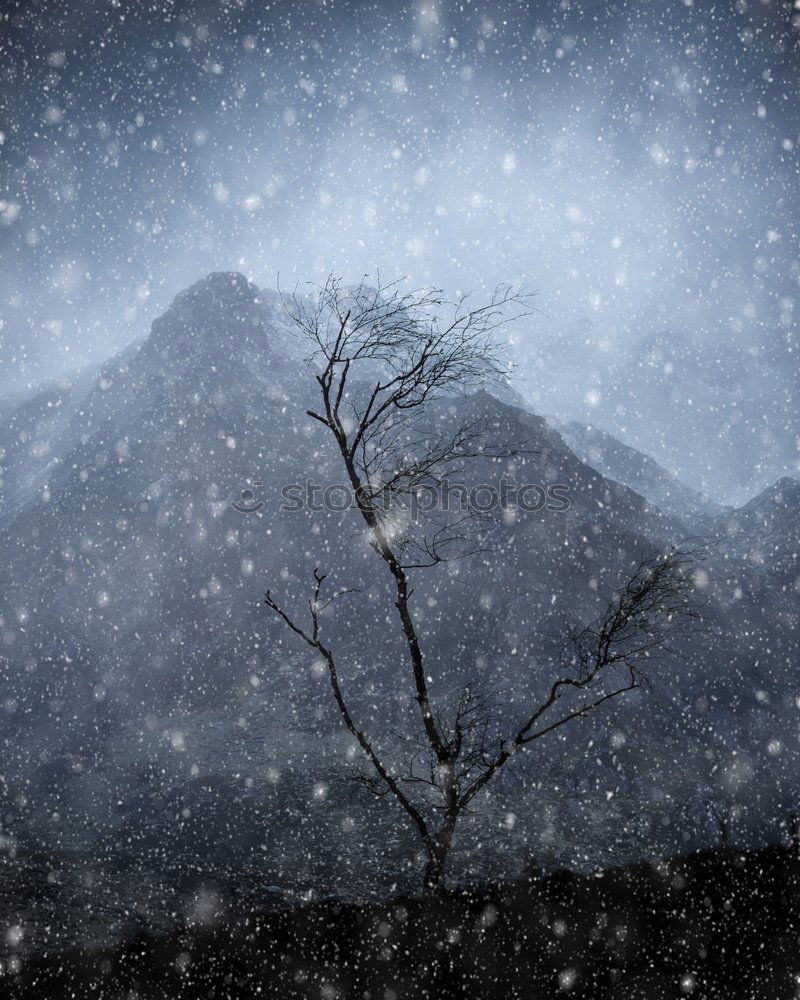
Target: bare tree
382	357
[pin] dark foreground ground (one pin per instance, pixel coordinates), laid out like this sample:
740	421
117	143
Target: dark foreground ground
717	924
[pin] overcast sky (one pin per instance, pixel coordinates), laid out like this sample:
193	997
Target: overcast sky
637	162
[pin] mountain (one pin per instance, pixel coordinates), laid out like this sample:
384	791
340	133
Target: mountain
13	400
35	433
765	533
677	404
618	461
164	735
776	506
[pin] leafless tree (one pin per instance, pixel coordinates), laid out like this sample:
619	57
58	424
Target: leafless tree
381	357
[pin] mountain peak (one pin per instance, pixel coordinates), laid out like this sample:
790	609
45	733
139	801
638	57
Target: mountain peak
781	492
219	286
217	320
219	298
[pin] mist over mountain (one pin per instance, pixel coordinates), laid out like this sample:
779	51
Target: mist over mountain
162	734
634	162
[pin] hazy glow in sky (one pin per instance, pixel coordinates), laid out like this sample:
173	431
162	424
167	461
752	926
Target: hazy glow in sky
635	162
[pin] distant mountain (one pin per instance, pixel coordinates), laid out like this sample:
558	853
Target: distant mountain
162	732
642	473
776	505
11	401
35	433
706	423
765	533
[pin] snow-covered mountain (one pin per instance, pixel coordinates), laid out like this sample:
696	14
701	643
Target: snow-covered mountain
162	731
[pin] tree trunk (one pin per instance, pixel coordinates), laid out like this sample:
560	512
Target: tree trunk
437	857
434	870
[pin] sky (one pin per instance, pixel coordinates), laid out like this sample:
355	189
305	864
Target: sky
635	162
